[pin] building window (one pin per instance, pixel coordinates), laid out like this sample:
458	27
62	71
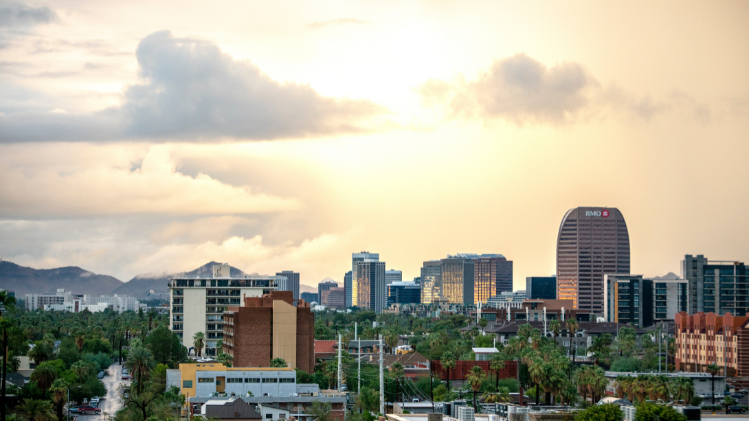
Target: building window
286	380
269	416
270	380
187	384
205	380
252	380
237	380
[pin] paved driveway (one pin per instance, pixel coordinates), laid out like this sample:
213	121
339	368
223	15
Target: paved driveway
112	402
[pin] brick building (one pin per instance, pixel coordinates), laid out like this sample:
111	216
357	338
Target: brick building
706	338
272	326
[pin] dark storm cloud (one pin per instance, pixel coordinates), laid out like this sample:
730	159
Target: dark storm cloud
192	91
17	15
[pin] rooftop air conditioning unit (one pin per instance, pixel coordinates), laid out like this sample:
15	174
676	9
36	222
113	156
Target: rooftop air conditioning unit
465	413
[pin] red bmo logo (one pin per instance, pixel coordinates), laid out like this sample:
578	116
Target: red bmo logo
605	213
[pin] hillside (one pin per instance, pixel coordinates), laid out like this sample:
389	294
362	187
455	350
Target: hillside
25	280
142	285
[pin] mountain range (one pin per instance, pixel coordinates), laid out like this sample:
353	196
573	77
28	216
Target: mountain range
25	280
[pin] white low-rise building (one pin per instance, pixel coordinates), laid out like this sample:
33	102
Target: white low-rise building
67	301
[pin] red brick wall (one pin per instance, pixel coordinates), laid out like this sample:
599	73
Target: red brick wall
252	337
305	339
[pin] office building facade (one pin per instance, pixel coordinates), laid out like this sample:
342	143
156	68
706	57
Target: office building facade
348	286
198	304
628	299
270	326
370	285
393	275
404	293
591	242
670	296
355	259
334	297
457	280
324	286
292	282
310	297
716	286
541	287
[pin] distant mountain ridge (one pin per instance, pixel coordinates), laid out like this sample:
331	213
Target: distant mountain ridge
142	285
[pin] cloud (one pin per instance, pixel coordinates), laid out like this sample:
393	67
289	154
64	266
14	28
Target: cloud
190	90
522	90
112	188
341	21
18	15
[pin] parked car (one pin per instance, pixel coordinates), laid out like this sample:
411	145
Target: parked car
74	409
737	395
126	377
88	409
735	409
100	375
744	390
719	396
705	395
94	402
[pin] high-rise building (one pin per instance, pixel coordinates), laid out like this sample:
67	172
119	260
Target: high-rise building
628	299
492	275
356	258
541	287
370	285
392	275
404	293
292	282
310	297
348	286
458	280
670	296
334	297
431	279
198	304
591	242
716	286
430	293
324	286
270	327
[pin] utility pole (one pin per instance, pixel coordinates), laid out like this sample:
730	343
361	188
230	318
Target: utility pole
659	350
431	385
358	342
382	382
725	363
666	323
339	363
544	322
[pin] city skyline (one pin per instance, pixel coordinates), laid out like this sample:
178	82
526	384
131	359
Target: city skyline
416	132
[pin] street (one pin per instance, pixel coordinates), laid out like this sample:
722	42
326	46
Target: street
112	402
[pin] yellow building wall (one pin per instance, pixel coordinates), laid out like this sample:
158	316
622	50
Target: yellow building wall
190	372
284	332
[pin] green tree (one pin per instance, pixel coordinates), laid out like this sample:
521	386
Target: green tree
555	326
572	326
81	369
278	363
59	391
166	346
320	411
391	340
397	373
475	379
225	359
608	412
483	322
369	399
140	362
44	374
650	412
448	363
198	341
497	363
35	410
713	369
80	339
7	303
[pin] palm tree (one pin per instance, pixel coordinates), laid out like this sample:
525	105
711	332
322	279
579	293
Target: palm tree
391	340
497	363
475	377
502	395
572	326
684	389
198	340
44	374
6	302
59	389
713	369
448	363
397	373
278	363
583	380
555	326
36	410
81	369
598	382
40	352
225	359
80	339
483	322
599	347
140	362
536	371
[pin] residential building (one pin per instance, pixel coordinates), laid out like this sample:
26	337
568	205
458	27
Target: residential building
198	304
370	285
393	275
507	299
541	287
310	297
716	286
279	408
38	301
706	338
592	241
232	409
334	297
348	286
270	327
628	299
355	259
323	286
458	280
292	282
670	296
209	378
404	293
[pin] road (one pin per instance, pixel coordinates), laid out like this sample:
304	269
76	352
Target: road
112	402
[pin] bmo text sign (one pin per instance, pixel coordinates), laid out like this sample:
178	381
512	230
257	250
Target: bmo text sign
597	213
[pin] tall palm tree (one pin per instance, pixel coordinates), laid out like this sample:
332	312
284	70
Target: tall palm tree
572	326
555	326
198	340
391	340
6	303
497	363
80	339
448	363
81	369
397	373
140	362
475	378
35	410
44	374
599	348
59	390
483	322
713	369
684	389
537	372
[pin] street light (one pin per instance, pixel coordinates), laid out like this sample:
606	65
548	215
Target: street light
69	402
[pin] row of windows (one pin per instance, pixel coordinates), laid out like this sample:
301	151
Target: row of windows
188	383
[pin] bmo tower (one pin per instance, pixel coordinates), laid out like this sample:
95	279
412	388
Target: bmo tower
591	242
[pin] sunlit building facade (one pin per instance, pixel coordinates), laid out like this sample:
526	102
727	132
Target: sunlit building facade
591	242
430	291
457	280
356	258
372	293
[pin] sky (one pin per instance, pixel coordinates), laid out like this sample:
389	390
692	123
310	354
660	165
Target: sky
150	137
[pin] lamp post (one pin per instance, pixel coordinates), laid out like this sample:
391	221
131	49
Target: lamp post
69	402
